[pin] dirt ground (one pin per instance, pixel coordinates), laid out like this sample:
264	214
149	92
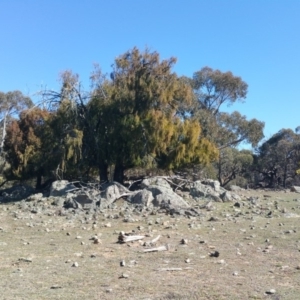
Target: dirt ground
241	251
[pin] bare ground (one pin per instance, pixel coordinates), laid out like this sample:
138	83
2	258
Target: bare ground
258	250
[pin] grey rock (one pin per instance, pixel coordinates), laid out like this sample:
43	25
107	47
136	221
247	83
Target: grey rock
61	188
295	189
235	188
164	196
157	181
143	197
199	190
214	184
229	197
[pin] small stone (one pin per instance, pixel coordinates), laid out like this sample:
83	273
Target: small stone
75	264
108	225
55	286
124	275
68	233
184	241
97	241
78	237
235	273
122	263
23	259
82	243
214	254
187	260
271	292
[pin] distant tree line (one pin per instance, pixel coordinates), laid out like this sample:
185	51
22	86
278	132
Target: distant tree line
142	115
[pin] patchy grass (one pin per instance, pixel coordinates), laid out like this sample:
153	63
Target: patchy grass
258	252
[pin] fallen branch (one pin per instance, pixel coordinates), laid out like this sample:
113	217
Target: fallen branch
155	240
174	269
129	238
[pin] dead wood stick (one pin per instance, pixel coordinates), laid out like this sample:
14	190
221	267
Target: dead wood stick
155	240
130	238
174	269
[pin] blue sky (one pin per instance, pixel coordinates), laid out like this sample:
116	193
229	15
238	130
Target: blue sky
258	40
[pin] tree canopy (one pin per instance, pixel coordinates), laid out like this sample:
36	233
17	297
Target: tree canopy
142	114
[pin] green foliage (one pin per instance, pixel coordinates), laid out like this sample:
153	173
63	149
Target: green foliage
27	144
214	88
280	155
232	164
139	111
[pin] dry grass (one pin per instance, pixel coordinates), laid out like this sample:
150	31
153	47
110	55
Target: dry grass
256	255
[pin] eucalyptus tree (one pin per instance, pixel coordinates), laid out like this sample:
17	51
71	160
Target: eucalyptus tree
214	89
11	104
278	158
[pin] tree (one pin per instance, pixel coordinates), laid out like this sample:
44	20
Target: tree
278	158
11	103
138	116
233	164
214	88
29	146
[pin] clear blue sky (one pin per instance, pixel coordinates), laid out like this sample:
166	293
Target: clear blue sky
258	40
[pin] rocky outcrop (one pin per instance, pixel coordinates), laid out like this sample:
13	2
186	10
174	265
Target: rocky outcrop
295	189
61	188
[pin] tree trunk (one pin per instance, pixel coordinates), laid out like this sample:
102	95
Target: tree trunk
119	173
38	181
103	172
3	132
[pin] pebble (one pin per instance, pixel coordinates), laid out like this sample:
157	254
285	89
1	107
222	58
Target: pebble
75	264
124	275
122	263
271	291
184	241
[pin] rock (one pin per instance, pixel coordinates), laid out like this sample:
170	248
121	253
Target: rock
198	190
184	241
61	188
122	263
112	192
17	192
75	264
271	292
124	275
55	286
71	203
143	197
214	254
214	184
165	196
235	188
229	197
85	201
34	197
295	189
157	181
